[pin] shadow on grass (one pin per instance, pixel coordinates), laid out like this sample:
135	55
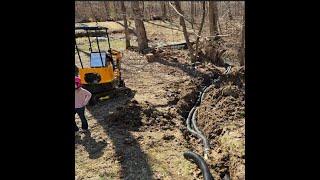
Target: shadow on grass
121	115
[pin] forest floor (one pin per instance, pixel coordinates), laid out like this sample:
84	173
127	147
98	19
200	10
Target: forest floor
141	133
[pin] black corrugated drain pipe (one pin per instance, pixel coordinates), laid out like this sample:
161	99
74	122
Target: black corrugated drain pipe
192	117
200	163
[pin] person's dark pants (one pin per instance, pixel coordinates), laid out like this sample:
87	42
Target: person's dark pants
84	123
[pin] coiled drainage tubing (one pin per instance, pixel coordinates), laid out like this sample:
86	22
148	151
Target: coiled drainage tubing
192	116
200	163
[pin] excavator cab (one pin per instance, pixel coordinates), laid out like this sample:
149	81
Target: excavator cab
102	74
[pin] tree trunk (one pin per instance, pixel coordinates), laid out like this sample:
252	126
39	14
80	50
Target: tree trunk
208	7
185	33
201	25
107	10
149	10
192	13
142	2
213	12
115	10
213	50
140	29
219	25
164	10
229	11
242	48
126	29
195	9
143	14
237	9
77	14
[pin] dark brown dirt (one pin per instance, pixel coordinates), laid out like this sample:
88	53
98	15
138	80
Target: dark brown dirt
221	117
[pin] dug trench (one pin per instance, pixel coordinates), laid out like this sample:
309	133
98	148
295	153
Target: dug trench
141	133
221	118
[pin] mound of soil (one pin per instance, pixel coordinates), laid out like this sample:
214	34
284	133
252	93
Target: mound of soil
221	117
128	116
137	117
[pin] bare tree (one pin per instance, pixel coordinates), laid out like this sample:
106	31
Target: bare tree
213	16
106	3
229	11
143	9
242	47
192	13
185	33
76	13
115	10
208	7
201	25
195	9
126	29
140	29
163	9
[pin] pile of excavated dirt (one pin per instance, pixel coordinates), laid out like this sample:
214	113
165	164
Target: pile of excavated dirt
221	117
136	117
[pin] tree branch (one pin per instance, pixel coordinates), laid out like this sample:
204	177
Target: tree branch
186	36
184	19
179	13
201	25
198	36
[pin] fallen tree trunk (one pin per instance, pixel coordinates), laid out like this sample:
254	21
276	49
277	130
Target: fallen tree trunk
90	33
178	45
100	33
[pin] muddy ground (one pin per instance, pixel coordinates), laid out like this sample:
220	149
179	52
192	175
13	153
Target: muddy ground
141	132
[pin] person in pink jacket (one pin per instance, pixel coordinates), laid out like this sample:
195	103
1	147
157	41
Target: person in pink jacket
82	98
